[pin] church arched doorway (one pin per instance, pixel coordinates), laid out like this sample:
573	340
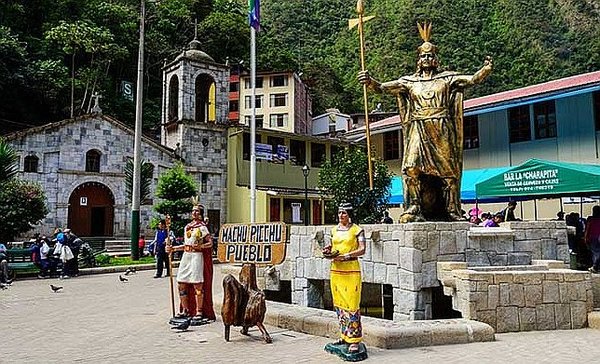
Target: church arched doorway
91	210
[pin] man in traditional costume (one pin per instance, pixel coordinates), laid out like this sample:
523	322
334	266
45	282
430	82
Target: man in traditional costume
431	111
190	275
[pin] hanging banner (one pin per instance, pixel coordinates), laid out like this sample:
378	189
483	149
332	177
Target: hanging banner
252	243
264	151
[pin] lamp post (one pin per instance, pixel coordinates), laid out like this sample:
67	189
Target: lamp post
305	172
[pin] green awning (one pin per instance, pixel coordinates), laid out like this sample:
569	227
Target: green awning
542	178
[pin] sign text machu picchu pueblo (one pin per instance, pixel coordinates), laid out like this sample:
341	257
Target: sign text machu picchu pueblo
252	243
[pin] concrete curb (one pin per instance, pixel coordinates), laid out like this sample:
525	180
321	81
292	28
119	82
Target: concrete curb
594	319
378	332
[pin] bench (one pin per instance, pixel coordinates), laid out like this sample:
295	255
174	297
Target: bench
19	260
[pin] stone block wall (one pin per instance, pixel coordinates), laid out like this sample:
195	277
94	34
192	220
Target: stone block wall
520	299
405	256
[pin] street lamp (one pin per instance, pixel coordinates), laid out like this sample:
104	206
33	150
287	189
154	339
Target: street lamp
305	172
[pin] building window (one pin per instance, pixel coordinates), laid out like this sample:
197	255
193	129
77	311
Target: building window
278	120
258	119
277	100
391	145
545	119
234	87
596	96
259	82
471	132
279	81
297	152
519	124
92	161
317	154
258	101
204	184
234	105
31	163
246	145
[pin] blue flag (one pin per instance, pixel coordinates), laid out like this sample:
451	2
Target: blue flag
254	13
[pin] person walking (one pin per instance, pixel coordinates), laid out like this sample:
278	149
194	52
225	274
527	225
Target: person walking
160	253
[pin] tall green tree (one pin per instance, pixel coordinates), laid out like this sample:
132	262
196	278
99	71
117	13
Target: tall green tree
345	177
175	188
23	203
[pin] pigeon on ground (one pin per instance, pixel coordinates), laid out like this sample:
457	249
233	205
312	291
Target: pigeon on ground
4	286
128	271
132	269
55	288
183	326
123	279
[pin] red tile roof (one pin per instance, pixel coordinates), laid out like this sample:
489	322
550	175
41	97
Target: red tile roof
529	91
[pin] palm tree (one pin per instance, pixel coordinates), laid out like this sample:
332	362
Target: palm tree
9	161
145	181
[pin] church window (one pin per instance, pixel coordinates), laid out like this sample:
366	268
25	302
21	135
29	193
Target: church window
31	163
92	161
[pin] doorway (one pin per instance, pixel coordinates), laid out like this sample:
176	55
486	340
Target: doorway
91	210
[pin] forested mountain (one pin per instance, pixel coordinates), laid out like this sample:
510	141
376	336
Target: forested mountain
43	43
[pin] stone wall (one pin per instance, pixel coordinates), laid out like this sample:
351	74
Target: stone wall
405	256
521	298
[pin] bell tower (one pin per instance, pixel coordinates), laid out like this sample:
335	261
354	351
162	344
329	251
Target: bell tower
195	92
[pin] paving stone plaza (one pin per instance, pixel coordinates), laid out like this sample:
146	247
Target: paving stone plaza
98	319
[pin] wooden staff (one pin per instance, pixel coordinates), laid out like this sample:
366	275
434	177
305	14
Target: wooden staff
360	10
169	243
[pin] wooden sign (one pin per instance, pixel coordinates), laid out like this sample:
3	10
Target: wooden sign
252	243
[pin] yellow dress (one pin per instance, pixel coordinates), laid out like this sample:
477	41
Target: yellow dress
346	283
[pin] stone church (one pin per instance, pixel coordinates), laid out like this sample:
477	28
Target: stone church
80	162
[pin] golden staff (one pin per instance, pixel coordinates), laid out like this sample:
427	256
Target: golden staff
169	243
360	10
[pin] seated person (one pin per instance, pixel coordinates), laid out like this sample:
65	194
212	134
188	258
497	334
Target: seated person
4	265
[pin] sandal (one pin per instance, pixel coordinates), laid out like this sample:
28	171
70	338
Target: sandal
353	348
182	316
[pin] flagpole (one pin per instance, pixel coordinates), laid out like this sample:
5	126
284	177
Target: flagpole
253	125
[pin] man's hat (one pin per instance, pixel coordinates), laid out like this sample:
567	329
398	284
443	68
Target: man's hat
425	33
196	204
345	206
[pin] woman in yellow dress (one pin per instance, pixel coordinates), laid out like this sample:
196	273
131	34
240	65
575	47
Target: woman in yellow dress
347	244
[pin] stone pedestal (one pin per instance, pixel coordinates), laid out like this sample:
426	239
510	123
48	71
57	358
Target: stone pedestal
405	256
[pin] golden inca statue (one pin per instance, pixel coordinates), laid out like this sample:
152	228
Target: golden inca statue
431	112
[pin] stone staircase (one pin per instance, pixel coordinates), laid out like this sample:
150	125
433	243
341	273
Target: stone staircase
118	247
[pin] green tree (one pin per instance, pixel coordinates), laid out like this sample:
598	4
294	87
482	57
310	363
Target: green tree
346	178
175	188
23	203
145	180
9	161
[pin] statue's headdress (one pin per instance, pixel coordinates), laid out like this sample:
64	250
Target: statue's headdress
196	204
425	32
